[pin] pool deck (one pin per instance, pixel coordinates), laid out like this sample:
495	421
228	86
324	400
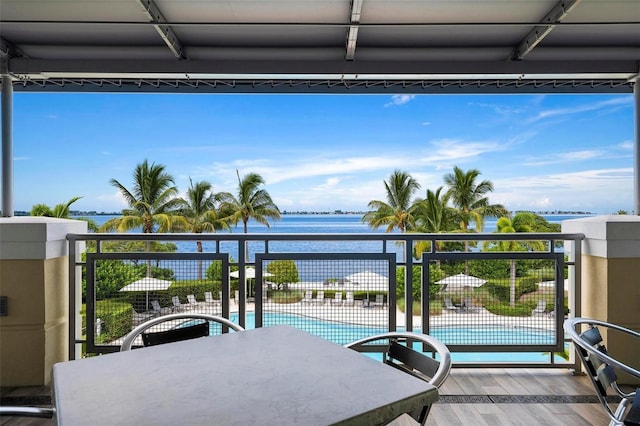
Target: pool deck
378	316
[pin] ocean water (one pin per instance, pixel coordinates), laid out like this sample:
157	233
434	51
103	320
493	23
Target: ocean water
331	223
313	224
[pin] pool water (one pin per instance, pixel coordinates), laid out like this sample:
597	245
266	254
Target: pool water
342	333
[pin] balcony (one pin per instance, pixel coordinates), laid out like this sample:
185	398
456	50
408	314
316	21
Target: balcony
544	391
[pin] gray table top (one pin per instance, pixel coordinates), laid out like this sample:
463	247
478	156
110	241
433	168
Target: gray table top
273	376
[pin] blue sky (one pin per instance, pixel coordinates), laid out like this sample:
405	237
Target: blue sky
328	152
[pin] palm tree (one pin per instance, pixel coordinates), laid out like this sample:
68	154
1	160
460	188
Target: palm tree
397	211
60	211
152	201
470	198
521	222
433	215
251	202
63	211
200	213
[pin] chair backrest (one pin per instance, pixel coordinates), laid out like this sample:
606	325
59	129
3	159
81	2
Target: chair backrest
542	306
379	299
320	295
308	294
192	299
338	295
176	301
399	351
177	332
156	306
349	296
20	411
601	367
208	297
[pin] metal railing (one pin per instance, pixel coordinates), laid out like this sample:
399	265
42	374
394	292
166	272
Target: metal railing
518	308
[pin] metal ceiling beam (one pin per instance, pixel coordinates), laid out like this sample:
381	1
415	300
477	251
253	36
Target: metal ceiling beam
548	23
352	34
160	24
134	68
318	86
8	50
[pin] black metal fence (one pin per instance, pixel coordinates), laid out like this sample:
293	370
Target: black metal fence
476	300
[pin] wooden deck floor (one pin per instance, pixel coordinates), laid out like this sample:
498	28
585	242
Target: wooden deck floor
472	397
516	397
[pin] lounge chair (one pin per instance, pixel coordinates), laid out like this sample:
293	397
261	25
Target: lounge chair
379	302
193	303
337	299
308	297
177	332
399	352
449	306
601	367
319	297
140	317
469	306
540	309
209	300
177	306
158	310
349	299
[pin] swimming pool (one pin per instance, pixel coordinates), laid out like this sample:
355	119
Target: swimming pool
342	333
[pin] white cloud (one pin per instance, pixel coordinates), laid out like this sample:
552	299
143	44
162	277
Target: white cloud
559	112
21	158
399	100
426	123
598	191
627	145
564	157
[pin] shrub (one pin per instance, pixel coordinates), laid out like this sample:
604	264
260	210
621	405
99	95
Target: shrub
284	271
116	319
214	270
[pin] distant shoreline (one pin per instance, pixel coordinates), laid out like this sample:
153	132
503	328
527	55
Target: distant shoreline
312	213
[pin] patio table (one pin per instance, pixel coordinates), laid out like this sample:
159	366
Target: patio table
274	375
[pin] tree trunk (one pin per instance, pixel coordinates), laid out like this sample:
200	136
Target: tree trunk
512	286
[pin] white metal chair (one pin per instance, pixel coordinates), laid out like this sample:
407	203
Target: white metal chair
349	300
192	302
177	332
308	297
432	364
601	367
19	411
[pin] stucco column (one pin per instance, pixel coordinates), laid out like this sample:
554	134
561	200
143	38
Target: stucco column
34	277
611	277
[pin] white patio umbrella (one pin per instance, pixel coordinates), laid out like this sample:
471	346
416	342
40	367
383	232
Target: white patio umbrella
369	279
147	284
249	273
460	281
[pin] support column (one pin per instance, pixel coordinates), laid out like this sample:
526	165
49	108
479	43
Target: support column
610	277
636	168
34	277
7	144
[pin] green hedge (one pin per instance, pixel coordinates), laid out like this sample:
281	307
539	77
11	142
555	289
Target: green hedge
116	317
500	289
